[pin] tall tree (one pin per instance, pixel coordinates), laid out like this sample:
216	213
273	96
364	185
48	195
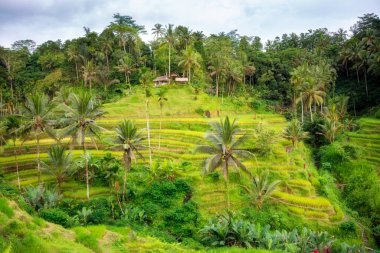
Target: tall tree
11	129
129	139
158	31
80	120
36	113
89	73
224	148
161	100
169	36
145	80
126	67
190	59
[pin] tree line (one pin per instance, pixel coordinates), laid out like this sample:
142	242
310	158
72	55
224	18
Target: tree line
222	64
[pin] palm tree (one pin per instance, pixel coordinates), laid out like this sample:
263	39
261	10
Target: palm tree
261	188
298	79
104	78
312	94
125	66
59	164
145	79
80	119
161	99
224	142
36	112
89	73
294	132
11	128
170	40
74	56
331	129
158	31
128	137
364	57
190	59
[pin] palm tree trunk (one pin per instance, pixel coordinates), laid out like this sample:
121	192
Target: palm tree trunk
159	134
11	81
127	162
86	165
188	73
217	86
227	185
169	66
76	70
301	109
38	160
148	128
357	76
16	161
311	112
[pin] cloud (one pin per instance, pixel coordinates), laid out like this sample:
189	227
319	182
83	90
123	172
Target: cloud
42	20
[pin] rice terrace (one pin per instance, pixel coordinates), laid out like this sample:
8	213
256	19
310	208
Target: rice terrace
165	138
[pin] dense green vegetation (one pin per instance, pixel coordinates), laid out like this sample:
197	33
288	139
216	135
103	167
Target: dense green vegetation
264	151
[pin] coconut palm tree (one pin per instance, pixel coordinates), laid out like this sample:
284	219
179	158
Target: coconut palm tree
79	119
74	56
129	139
126	67
59	164
146	77
294	132
161	100
36	114
169	36
10	131
331	129
261	188
189	60
312	94
224	149
158	31
89	73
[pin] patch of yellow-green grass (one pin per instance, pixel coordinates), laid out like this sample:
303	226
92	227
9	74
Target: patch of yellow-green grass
315	214
296	210
81	193
306	202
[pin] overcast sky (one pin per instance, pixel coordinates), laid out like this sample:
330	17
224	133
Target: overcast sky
42	20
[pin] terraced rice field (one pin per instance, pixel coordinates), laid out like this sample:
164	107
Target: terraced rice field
182	130
368	138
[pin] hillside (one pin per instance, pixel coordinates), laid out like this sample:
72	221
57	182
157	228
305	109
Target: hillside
182	130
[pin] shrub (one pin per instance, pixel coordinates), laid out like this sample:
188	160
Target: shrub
347	227
265	140
183	220
200	111
56	216
333	154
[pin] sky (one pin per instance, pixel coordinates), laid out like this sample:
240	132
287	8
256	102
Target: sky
42	20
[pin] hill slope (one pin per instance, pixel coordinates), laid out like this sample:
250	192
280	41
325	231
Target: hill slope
184	127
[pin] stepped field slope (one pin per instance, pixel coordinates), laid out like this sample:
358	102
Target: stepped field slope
368	138
183	127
